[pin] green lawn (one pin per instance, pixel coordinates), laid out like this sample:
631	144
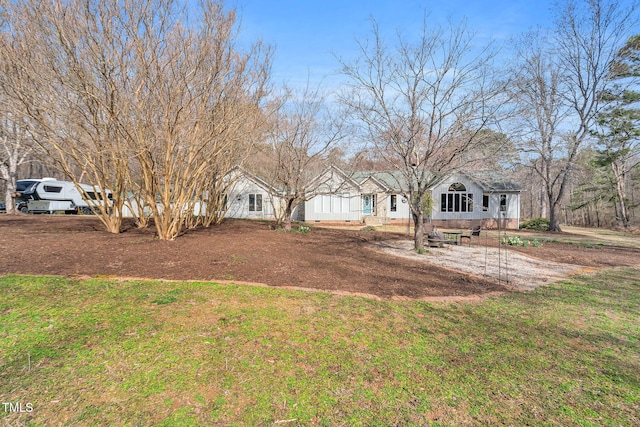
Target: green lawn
109	352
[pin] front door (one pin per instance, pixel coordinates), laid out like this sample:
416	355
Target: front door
368	203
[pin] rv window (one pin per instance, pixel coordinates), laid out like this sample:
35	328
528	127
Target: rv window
92	196
22	186
52	189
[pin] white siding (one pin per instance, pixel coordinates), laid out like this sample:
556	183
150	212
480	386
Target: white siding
402	207
338	201
238	201
333	207
512	205
471	188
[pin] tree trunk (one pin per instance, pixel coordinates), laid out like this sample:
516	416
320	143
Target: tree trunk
285	220
8	172
623	216
531	204
418	236
9	197
554	217
543	202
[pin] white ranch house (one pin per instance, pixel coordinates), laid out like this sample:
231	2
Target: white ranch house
478	198
461	200
250	197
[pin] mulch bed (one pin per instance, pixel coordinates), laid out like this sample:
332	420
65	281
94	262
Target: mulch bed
236	250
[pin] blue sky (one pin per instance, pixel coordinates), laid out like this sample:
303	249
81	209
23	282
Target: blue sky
307	33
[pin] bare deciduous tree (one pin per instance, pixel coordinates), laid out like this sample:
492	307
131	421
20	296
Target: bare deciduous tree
423	105
541	110
16	144
560	83
199	101
15	148
302	135
139	95
65	84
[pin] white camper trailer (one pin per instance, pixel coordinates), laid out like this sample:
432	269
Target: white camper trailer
49	195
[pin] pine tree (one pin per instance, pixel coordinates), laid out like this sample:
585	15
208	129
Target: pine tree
619	124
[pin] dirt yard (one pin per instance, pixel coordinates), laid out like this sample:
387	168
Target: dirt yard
352	262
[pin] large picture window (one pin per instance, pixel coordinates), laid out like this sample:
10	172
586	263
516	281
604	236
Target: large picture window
456	199
336	203
326	203
255	202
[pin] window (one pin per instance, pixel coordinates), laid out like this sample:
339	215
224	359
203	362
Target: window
455	200
346	206
52	189
394	203
91	195
457	186
255	202
485	202
24	186
326	203
467	202
339	204
503	202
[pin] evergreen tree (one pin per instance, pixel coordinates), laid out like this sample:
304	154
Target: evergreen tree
619	124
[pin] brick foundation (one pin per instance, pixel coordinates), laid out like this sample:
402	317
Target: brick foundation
487	223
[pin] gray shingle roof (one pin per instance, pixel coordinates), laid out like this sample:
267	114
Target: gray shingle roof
493	181
393	180
489	180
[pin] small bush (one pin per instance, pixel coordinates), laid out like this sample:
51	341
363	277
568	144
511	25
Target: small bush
540	224
512	241
300	229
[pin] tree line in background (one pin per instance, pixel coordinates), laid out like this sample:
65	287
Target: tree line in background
155	101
